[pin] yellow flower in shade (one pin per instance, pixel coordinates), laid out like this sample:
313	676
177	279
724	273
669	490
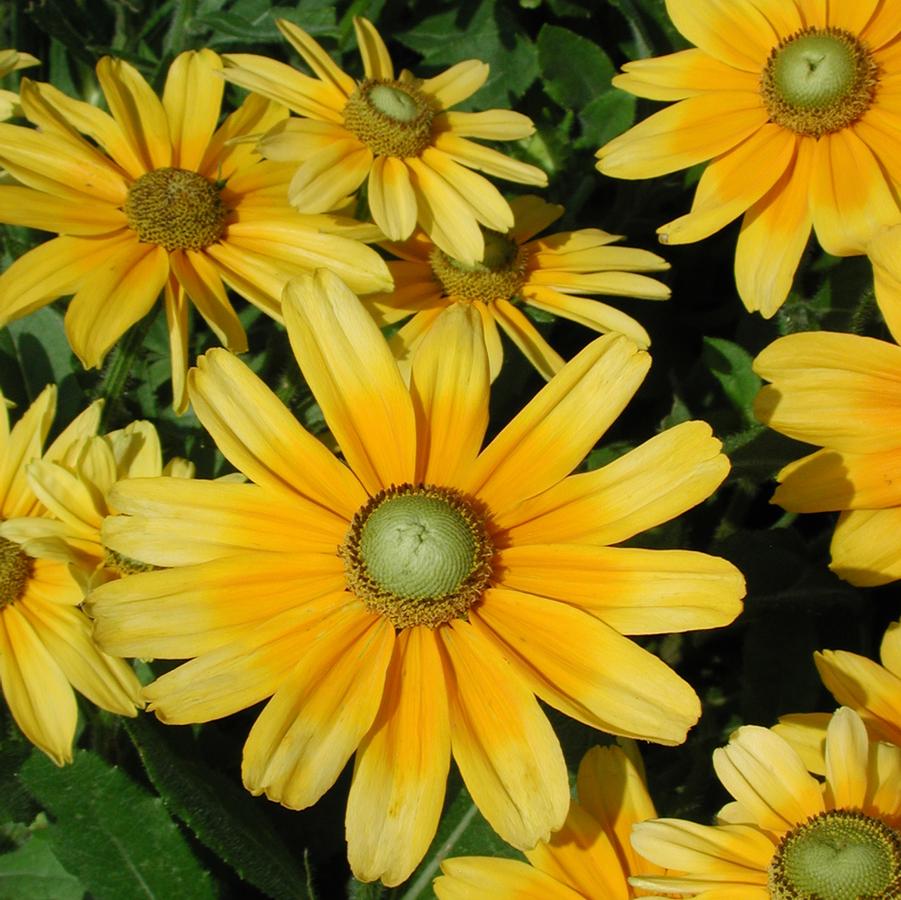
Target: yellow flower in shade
546	273
873	691
589	857
164	202
410	604
12	61
789	836
397	134
796	105
46	647
74	488
841	391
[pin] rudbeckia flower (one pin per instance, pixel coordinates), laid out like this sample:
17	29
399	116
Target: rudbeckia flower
12	61
395	133
46	647
841	391
517	269
789	835
796	105
161	201
74	489
409	603
590	857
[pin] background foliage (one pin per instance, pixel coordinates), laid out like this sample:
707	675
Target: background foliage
154	811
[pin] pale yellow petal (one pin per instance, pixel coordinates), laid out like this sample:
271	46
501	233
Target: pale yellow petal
392	200
455	84
63	215
847	754
20	447
489	161
866	546
376	60
470	877
489	125
315	57
191	99
323	181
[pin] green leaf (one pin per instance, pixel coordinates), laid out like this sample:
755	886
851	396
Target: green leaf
114	836
575	70
731	366
32	872
482	31
606	116
222	816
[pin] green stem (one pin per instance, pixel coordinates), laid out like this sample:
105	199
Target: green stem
120	366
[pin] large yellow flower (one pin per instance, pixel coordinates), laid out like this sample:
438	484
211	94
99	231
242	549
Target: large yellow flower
798	105
788	835
75	489
397	134
46	647
842	392
590	857
546	273
164	202
12	61
411	603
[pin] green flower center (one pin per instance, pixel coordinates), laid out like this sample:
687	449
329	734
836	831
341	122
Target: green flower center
15	569
175	209
819	80
499	276
393	118
838	855
419	555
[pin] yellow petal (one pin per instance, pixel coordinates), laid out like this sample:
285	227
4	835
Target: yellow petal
653	483
305	735
192	610
532	215
67	497
391	197
890	649
376	60
262	439
527	337
768	778
739	34
587	395
34	209
866	546
191	98
20	447
584	668
457	83
490	125
503	744
176	302
36	691
110	300
489	161
323	181
682	74
689	132
732	183
315	57
137	110
884	251
836	390
806	733
354	377
773	236
633	590
449	387
847	753
850	195
467	877
401	766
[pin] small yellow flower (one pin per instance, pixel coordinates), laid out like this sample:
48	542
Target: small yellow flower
161	201
797	106
75	489
519	269
395	133
788	835
590	857
407	605
12	61
46	647
842	392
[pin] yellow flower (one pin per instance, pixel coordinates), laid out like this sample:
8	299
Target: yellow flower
11	61
75	489
395	132
46	647
544	273
409	604
589	857
841	391
797	104
788	835
164	202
